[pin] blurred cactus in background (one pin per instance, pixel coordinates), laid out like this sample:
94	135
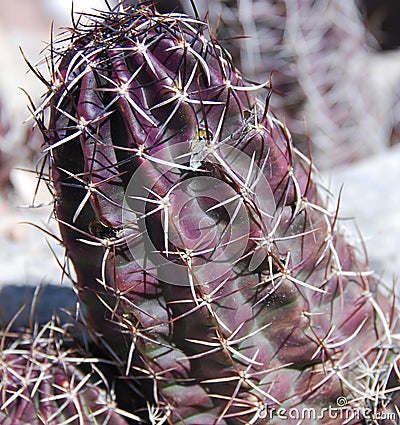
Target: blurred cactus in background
334	86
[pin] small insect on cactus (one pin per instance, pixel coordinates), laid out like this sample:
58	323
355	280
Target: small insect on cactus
209	265
46	380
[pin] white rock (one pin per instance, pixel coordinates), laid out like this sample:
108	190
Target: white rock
371	194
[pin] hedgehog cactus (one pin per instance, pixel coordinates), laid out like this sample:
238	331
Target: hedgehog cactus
208	262
43	381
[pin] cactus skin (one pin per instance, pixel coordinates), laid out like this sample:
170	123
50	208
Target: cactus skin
295	321
44	379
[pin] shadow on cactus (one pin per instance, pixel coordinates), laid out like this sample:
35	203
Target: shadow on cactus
211	269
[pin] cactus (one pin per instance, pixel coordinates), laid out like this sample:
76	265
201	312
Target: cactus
46	377
324	64
211	269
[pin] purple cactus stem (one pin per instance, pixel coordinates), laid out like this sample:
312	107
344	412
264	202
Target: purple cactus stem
207	260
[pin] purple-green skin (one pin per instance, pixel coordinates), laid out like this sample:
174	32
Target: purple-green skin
299	330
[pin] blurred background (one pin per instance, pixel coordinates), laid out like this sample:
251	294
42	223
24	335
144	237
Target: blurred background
336	81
